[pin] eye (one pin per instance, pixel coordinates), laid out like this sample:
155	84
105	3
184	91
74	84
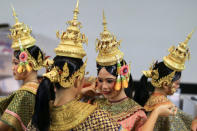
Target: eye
100	80
110	81
14	62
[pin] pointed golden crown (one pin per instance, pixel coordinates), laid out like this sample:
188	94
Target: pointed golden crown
177	57
71	40
108	47
20	31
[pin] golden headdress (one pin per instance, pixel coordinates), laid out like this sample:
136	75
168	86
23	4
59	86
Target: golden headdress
109	54
70	46
21	40
177	57
20	31
175	61
71	40
108	47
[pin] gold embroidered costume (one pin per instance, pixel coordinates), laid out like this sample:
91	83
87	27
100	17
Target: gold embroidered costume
180	122
16	109
119	110
79	116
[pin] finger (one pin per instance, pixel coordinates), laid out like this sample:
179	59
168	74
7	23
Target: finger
82	82
170	105
175	110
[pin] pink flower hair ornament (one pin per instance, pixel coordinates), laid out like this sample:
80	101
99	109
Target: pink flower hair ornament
124	70
23	56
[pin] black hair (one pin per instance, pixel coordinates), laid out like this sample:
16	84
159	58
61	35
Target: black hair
33	50
113	71
45	93
143	92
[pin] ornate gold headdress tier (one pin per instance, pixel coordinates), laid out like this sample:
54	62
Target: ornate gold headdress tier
177	57
20	31
71	40
108	47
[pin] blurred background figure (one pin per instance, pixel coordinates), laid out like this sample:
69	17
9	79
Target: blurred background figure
7	83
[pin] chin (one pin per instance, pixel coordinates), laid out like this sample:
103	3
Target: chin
16	78
171	93
106	96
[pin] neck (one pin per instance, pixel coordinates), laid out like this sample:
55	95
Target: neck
63	96
119	97
31	77
159	91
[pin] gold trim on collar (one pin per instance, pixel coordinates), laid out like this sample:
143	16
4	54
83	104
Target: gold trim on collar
31	87
70	115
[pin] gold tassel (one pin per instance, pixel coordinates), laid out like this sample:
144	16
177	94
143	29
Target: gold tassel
124	83
28	67
20	69
118	86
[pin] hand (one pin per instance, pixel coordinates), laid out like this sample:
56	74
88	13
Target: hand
194	125
166	110
89	89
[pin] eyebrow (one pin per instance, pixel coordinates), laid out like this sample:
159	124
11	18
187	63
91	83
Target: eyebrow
107	78
15	60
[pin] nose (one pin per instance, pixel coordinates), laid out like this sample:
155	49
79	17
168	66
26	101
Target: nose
104	86
13	67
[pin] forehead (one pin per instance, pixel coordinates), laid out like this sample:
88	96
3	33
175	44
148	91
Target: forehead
103	73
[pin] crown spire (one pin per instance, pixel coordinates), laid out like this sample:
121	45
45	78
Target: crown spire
178	55
20	31
71	40
104	21
188	37
76	11
108	47
14	14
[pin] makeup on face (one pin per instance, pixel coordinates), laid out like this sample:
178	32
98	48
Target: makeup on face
106	83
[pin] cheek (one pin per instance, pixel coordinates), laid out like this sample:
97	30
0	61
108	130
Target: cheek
176	86
14	68
98	84
112	85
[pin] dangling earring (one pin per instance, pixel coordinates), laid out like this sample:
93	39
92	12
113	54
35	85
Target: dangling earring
123	76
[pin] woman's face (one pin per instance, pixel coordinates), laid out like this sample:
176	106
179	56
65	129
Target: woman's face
15	65
106	84
173	88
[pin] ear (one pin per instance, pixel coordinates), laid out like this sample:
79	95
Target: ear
165	85
79	83
31	64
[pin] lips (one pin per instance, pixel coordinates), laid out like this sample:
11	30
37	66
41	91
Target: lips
106	92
